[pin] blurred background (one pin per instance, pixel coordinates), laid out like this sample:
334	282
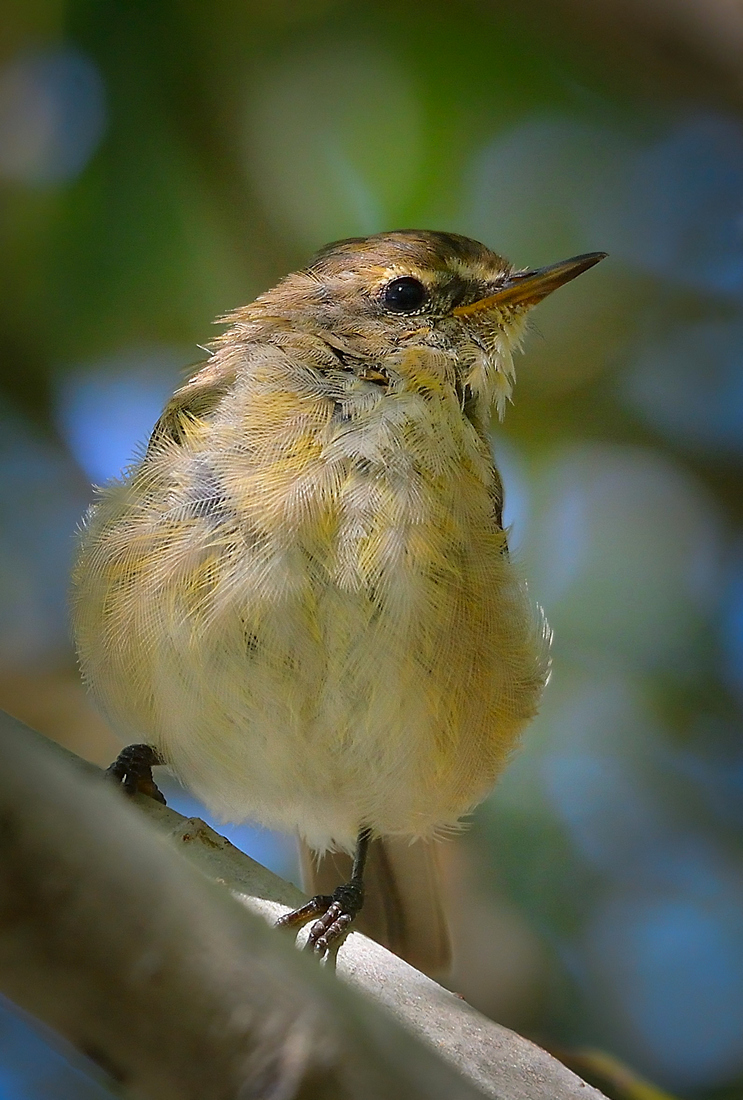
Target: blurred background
164	161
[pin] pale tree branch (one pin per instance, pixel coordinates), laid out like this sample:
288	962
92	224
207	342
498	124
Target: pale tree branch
120	944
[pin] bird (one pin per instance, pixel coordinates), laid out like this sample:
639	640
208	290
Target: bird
300	596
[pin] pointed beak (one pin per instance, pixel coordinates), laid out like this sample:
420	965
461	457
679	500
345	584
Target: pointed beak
529	287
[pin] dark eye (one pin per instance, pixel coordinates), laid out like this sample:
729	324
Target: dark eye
405	295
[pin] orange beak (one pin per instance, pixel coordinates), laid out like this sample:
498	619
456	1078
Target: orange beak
529	287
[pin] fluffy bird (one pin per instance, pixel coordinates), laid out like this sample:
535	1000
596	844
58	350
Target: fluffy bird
301	599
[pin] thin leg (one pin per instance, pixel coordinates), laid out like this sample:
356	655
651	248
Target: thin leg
337	911
132	770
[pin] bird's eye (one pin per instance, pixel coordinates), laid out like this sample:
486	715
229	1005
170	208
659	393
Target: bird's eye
405	295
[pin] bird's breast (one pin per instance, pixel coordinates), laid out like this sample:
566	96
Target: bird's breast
313	614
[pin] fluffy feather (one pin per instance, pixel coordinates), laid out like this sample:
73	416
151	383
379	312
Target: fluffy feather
302	594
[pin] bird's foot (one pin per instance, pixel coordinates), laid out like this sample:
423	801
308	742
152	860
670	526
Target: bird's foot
336	913
132	770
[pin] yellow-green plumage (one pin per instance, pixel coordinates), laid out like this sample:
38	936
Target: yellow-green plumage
302	594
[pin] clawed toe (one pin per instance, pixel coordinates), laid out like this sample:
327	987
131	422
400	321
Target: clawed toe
132	770
329	929
336	913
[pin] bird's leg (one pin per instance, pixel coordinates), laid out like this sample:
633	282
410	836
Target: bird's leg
132	770
337	910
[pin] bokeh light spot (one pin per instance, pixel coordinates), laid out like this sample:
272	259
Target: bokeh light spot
52	116
107	410
690	385
672	965
681	215
334	141
623	551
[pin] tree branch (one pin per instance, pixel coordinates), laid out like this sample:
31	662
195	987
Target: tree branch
109	936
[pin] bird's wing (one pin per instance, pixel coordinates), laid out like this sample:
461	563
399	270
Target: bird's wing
194	400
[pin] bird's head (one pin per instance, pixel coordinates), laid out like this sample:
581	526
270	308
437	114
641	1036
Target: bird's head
377	295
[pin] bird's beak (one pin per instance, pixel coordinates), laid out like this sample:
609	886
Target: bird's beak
529	287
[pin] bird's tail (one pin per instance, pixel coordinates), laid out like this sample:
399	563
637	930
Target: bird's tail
402	903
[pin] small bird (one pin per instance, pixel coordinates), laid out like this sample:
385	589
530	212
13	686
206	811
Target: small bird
300	597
